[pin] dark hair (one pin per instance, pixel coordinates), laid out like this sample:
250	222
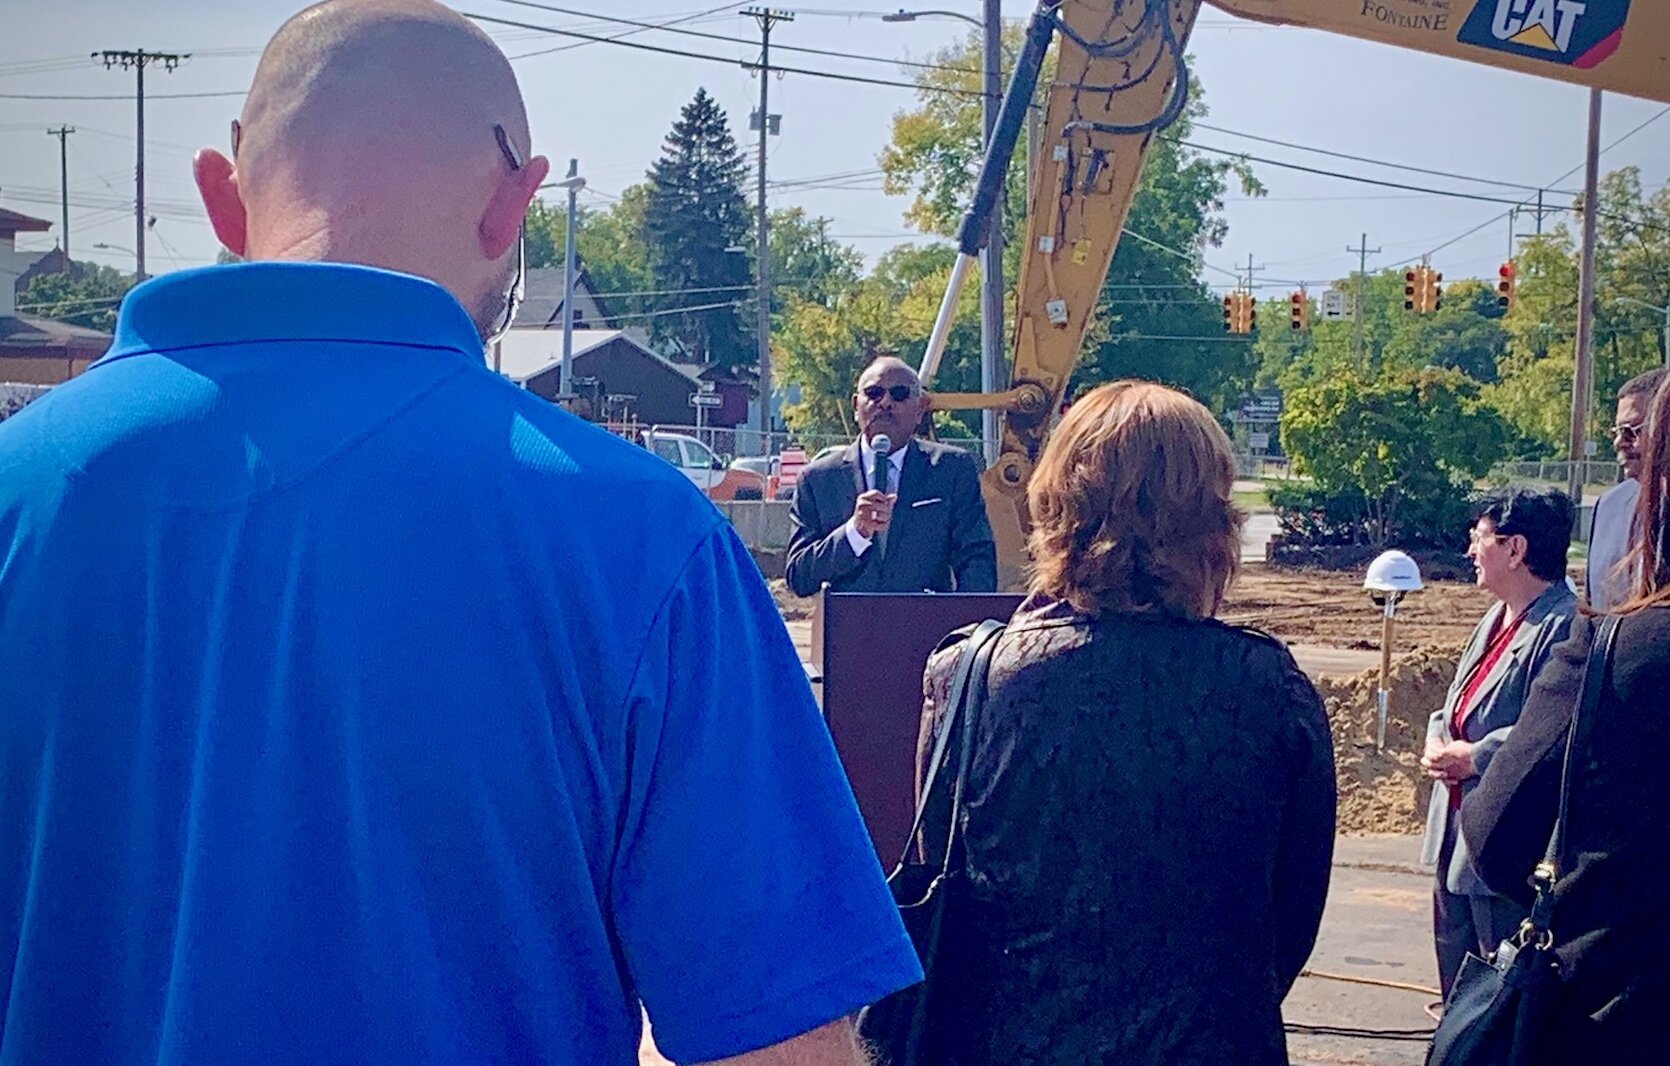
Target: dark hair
1644	384
1651	531
1544	517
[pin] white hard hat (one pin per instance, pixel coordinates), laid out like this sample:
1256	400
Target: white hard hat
1393	572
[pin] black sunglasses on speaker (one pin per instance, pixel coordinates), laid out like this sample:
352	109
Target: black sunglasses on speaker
900	393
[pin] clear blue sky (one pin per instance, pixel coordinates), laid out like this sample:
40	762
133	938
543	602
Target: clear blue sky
610	106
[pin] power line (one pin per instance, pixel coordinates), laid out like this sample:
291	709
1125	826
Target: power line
1366	159
630	33
112	96
738	40
684	54
1456	194
1527	201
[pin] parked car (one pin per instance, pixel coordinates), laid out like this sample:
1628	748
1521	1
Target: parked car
764	467
705	470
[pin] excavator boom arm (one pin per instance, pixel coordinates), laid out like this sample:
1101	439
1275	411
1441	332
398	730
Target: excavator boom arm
1120	78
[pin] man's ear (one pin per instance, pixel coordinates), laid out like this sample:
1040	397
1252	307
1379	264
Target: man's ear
501	223
217	183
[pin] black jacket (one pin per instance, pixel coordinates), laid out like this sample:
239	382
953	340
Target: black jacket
1611	922
1149	828
940	539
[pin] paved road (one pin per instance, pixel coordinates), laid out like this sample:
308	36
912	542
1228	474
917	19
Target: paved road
1377	927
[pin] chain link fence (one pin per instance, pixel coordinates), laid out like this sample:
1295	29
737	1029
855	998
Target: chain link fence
1594	472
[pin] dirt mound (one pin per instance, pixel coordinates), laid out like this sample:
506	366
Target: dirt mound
1385	791
793	607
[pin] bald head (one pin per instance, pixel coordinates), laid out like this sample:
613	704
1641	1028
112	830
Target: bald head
889	400
369	137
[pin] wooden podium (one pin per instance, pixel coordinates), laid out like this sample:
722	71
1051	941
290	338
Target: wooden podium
871	650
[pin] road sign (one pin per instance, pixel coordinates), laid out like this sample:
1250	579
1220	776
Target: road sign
1335	305
1259	441
707	399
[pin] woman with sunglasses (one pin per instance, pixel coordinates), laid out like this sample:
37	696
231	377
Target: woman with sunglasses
1611	928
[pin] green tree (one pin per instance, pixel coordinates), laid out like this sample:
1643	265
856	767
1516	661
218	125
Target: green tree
1398	445
610	246
822	347
1152	289
694	211
1632	262
88	295
808	262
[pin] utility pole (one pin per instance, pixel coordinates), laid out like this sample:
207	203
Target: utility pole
1363	251
63	135
1581	379
767	18
992	377
573	183
137	60
1251	270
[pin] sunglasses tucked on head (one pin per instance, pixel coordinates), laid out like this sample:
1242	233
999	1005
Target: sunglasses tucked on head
899	393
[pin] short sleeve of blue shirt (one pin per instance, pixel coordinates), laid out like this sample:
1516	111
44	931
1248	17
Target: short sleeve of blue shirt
745	890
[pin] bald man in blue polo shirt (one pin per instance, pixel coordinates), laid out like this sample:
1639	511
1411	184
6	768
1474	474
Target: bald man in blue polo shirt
359	707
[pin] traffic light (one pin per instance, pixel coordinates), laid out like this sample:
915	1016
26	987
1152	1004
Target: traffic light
1240	312
1434	293
1298	311
1411	289
1507	286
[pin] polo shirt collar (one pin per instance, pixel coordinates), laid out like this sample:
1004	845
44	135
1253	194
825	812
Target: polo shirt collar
269	301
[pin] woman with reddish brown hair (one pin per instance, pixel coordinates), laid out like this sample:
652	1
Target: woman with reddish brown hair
1611	926
1148	816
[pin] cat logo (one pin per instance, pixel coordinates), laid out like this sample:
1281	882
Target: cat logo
1578	33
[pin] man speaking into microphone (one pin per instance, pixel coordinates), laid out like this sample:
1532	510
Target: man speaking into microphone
891	513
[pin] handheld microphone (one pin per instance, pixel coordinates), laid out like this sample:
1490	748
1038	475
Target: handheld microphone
883	445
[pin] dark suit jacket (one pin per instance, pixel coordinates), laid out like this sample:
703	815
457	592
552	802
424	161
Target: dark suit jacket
1611	925
939	540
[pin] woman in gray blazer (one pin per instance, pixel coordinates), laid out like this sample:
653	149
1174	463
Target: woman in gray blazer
1518	545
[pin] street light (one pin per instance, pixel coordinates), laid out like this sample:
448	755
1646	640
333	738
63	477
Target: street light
912	16
1665	311
991	264
103	247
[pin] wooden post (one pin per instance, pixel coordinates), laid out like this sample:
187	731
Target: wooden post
1383	697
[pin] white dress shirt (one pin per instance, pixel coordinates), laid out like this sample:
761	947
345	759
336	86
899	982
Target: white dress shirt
1609	543
867	463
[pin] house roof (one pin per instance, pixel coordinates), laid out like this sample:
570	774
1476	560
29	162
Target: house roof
542	300
12	222
27	331
527	353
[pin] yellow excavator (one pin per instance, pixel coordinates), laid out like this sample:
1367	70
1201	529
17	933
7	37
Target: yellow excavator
1120	79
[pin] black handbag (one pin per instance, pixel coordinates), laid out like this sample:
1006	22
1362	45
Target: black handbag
1497	1005
896	1029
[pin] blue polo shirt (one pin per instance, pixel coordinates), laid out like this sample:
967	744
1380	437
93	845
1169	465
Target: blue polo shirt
359	707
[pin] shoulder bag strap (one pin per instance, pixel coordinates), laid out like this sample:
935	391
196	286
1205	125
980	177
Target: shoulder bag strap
1577	735
974	703
983	633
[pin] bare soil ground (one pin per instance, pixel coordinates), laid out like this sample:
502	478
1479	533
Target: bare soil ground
1332	610
1317	607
